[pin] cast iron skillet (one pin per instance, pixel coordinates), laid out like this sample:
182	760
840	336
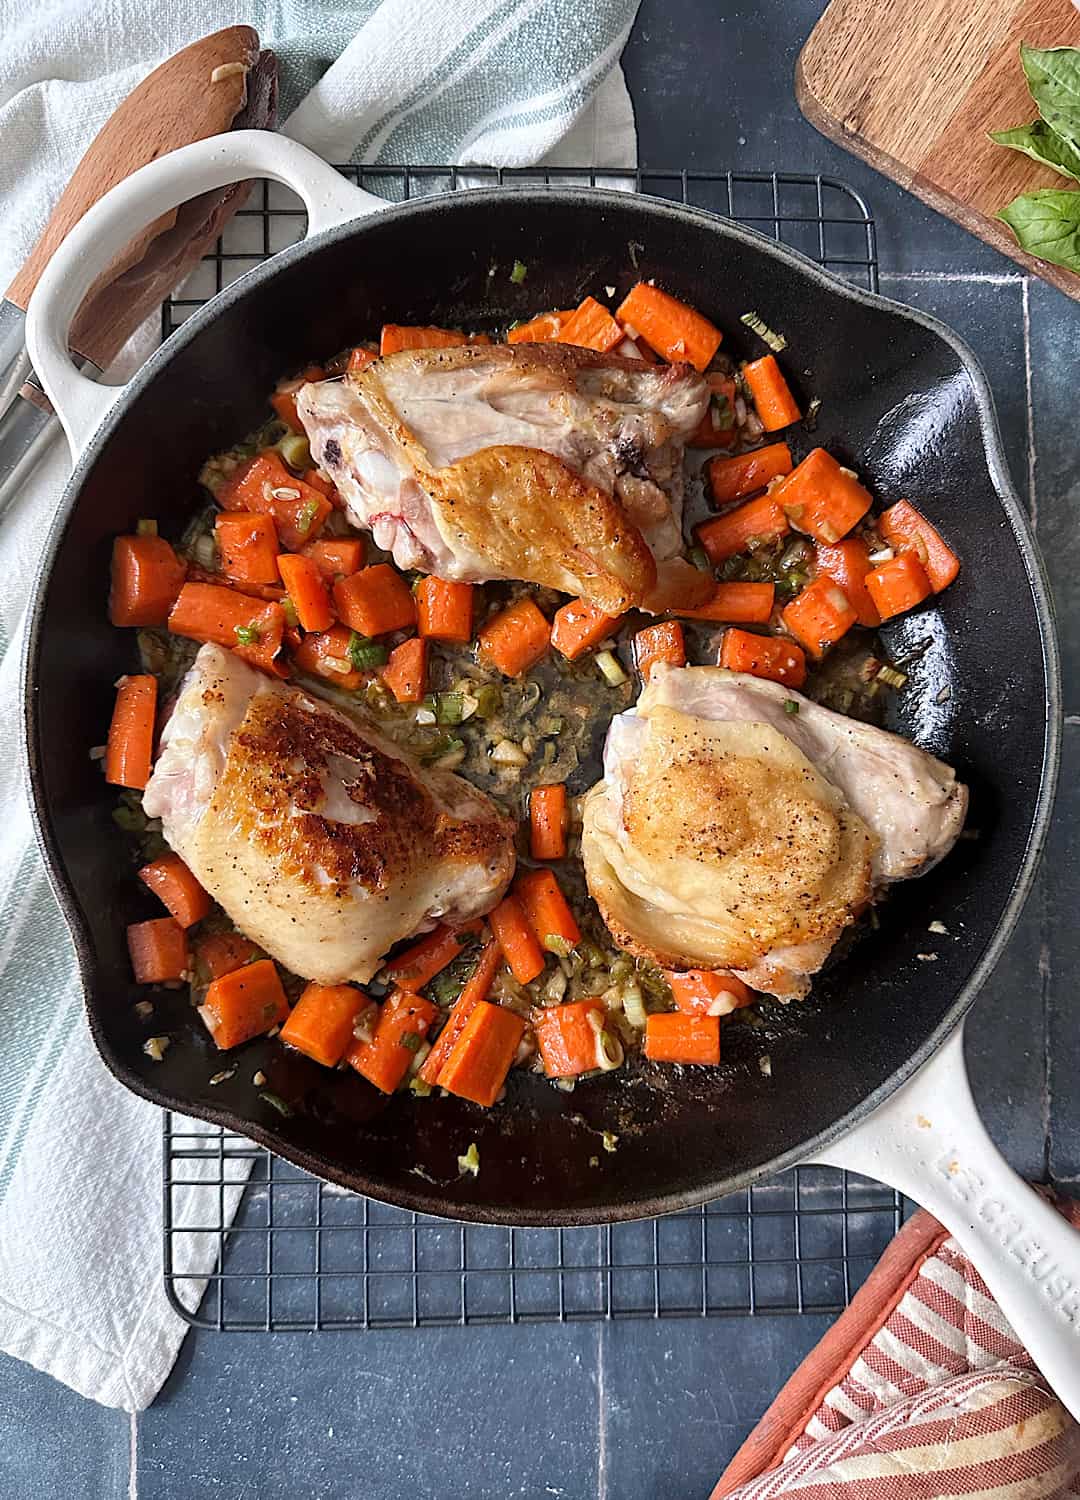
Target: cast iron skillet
901	398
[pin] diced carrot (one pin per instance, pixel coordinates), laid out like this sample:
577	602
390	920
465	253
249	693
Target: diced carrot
477	1067
444	610
264	485
420	962
327	655
320	1024
405	674
475	989
708	992
775	404
338	556
569	1037
717	427
676	331
244	1003
480	338
579	626
404	1021
284	398
375	601
177	889
147	575
269	593
316	480
516	941
671	1036
735	603
542	330
740	475
307	589
158	949
396	336
822	498
547	910
656	643
361	357
222	952
740	530
819	615
590	326
847	563
248	544
129	753
207	612
907	530
898	585
548	817
515	639
768	656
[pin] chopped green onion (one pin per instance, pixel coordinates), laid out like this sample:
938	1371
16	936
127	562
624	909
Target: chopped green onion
418	1087
294	449
722	414
488	700
247	635
275	1101
450	708
611	1141
519	273
155	1046
558	945
443	748
634	1005
700	559
791	708
365	654
610	669
307	516
470	1162
146	528
810	420
891	677
130	819
775	341
445	987
292	619
410	1041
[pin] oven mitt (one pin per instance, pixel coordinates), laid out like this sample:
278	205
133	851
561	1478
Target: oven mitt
919	1390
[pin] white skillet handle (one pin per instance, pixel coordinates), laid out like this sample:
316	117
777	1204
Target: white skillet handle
105	229
928	1141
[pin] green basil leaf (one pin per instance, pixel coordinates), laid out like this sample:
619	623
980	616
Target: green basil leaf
1043	145
1053	76
1047	224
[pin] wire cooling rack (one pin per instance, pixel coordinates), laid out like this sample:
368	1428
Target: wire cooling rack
289	1252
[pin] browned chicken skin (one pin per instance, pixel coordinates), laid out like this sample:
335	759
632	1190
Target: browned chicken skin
546	463
325	844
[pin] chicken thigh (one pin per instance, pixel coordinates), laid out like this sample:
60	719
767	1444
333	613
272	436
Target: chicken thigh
324	843
732	833
541	462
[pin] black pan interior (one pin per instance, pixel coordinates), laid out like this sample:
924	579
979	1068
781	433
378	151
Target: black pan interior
898	400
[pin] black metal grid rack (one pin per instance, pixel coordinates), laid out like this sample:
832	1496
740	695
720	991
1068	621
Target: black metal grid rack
276	1249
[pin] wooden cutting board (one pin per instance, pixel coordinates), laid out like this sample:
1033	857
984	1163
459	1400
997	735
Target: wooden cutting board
913	86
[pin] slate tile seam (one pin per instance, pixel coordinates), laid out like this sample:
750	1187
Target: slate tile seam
986	278
601	1416
133	1456
1029	404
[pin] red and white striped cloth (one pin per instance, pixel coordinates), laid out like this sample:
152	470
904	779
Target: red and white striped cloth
921	1390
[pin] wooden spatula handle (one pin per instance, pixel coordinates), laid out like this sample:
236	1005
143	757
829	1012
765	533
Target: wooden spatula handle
219	83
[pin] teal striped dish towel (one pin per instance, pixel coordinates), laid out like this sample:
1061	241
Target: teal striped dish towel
493	82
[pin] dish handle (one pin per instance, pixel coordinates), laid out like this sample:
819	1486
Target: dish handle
928	1141
138	200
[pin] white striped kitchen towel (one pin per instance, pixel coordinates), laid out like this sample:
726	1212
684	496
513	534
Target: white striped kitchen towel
500	82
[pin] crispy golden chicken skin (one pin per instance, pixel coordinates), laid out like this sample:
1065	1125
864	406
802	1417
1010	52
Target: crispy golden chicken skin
546	463
731	833
323	843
